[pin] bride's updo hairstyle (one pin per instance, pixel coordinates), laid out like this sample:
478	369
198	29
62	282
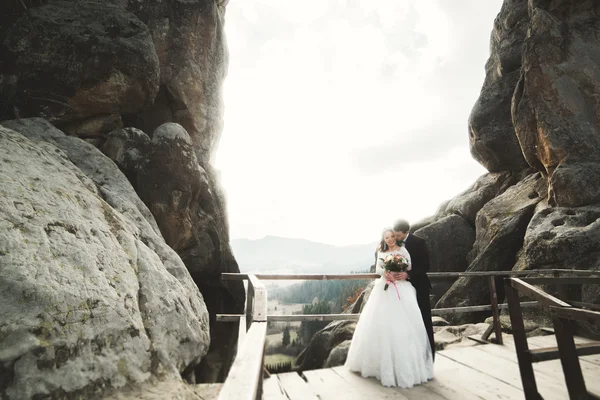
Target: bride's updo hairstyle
382	244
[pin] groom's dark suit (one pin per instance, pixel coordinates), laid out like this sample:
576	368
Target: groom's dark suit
419	257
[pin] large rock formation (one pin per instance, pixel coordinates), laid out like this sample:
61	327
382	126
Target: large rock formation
93	299
80	66
491	132
141	80
539	103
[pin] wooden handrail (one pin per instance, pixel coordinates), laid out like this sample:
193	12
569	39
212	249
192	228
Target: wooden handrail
576	314
431	275
337	317
537	294
244	381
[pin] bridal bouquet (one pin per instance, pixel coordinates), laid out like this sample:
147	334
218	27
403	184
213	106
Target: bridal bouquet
394	263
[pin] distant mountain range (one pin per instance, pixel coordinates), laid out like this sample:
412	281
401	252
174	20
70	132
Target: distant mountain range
273	254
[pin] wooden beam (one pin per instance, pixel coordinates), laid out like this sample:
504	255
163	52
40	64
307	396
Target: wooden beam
577	271
306	277
245	376
562	281
337	317
259	310
441	311
576	314
552	353
495	309
526	289
315	317
520	339
591	306
563	330
431	275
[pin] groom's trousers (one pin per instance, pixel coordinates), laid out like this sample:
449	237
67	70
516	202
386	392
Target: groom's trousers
425	307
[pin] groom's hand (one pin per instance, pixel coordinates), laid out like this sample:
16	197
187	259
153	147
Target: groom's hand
401	276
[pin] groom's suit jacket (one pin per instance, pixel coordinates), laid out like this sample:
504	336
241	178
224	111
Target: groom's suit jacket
419	256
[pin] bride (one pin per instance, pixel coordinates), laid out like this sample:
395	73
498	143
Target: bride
390	342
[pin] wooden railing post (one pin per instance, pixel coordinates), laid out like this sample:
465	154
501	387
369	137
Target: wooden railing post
563	330
521	347
495	310
560	288
249	304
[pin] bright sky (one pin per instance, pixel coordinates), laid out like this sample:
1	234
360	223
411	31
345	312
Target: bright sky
343	115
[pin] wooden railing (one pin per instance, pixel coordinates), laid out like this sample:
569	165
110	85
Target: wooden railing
563	315
245	377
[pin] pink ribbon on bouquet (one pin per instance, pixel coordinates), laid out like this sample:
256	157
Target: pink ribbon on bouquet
396	287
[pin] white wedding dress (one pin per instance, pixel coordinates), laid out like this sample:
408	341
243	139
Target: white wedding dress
390	342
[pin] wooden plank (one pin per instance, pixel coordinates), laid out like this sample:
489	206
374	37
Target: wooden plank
495	310
459	381
576	314
564	332
294	387
505	371
331	386
420	392
488	332
528	382
526	289
243	380
367	387
550	341
272	389
241	330
552	369
552	353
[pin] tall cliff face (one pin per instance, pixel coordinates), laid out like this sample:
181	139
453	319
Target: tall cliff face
536	128
139	81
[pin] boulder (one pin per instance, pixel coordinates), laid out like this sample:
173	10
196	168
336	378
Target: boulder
492	135
560	237
439	321
80	66
507	325
449	240
128	149
488	186
555	101
321	345
93	299
500	228
338	355
457	336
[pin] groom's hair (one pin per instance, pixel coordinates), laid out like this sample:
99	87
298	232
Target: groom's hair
401	225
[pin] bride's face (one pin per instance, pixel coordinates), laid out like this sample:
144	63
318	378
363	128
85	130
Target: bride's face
389	238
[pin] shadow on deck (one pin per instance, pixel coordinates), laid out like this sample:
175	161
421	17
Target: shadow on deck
486	371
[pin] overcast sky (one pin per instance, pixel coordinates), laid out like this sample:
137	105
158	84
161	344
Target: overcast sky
343	115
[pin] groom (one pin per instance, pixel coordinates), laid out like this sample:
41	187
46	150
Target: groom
417	276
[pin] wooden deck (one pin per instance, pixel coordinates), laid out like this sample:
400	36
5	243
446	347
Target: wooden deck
486	371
